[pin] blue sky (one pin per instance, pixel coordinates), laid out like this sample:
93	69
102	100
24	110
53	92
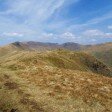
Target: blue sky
58	21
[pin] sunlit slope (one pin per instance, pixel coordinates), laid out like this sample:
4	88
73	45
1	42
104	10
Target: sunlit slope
54	81
5	50
58	58
99	47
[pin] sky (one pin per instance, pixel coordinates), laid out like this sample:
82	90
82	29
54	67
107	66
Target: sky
57	21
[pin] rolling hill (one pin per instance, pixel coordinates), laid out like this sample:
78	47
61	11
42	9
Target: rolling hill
100	51
59	58
52	81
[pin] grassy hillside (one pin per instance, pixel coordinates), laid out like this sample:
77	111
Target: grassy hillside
54	81
99	47
105	56
9	49
59	58
103	52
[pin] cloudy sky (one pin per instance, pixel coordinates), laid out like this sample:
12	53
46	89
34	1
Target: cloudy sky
59	21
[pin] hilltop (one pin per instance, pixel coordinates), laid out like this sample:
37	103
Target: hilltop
59	58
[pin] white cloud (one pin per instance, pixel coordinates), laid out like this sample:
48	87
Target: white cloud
33	11
101	19
68	35
13	34
30	16
91	22
96	33
109	35
110	27
93	33
93	40
47	36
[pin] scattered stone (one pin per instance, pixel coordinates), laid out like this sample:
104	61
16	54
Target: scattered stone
11	85
105	89
13	110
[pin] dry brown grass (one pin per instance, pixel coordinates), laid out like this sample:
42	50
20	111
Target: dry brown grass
44	86
11	85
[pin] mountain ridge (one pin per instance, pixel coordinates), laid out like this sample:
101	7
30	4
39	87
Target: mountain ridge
67	45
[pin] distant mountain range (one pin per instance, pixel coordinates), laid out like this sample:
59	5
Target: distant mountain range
40	46
100	51
69	45
47	46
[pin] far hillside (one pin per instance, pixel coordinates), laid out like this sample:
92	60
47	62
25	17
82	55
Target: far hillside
103	52
105	56
60	58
